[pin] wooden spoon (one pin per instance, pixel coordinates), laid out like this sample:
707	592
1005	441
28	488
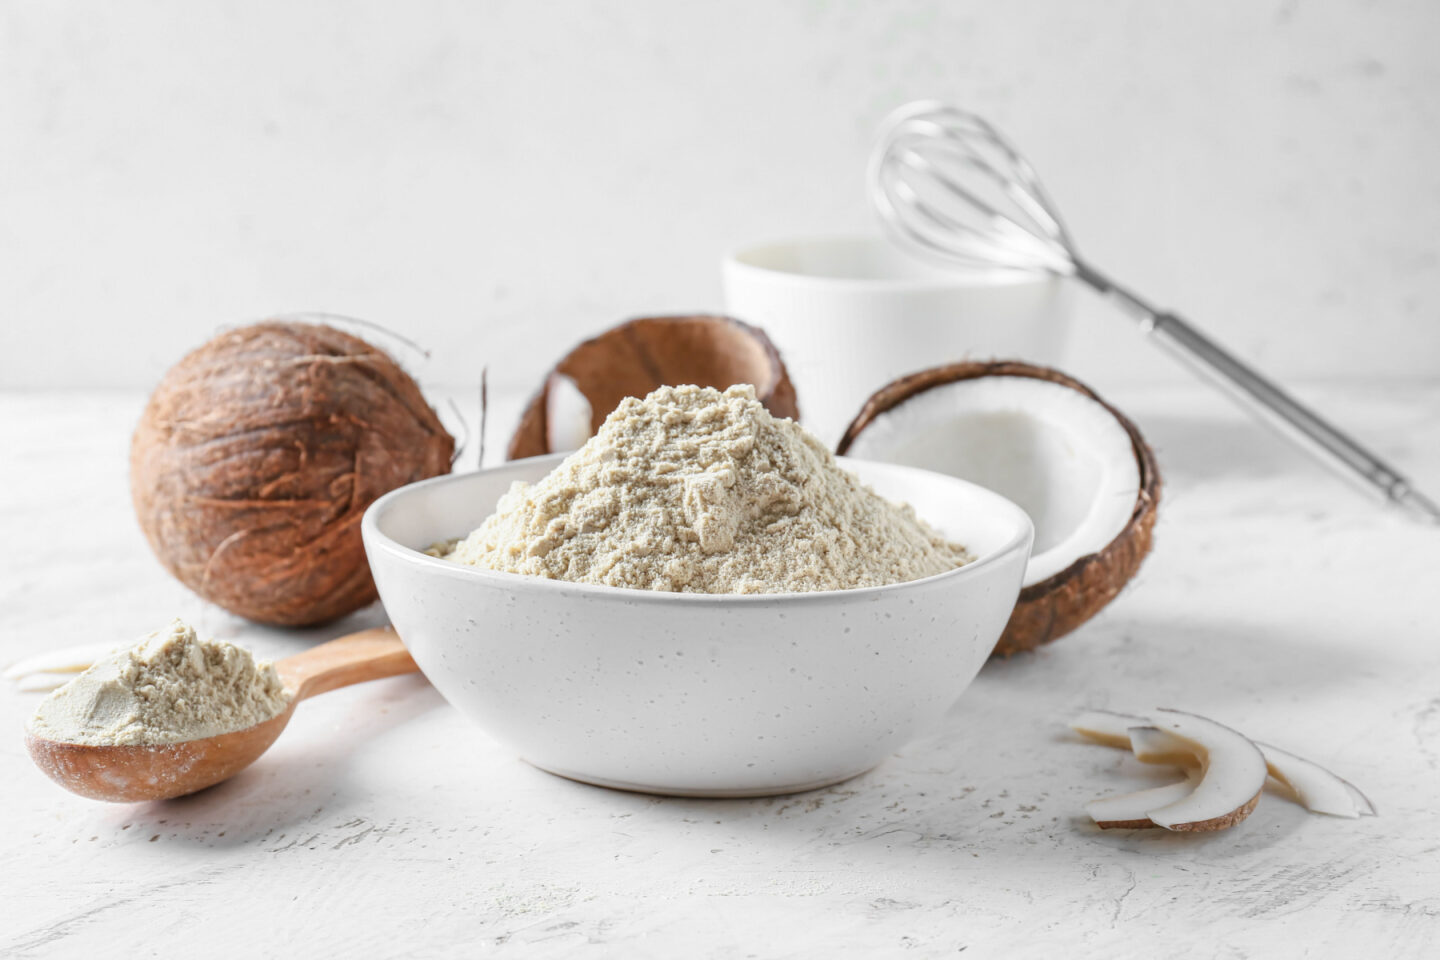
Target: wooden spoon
129	773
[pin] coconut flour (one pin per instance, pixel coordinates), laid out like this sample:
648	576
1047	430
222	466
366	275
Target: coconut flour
698	491
171	686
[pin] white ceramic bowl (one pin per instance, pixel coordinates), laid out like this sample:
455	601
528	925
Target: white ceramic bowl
850	314
693	694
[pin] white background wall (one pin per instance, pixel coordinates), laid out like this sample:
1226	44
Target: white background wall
496	180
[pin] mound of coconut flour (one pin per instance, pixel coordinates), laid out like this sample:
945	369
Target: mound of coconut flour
697	491
171	686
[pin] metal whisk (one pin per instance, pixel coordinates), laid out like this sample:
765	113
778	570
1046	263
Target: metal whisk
946	182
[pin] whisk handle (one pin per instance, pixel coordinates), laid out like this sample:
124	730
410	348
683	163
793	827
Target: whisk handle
1274	405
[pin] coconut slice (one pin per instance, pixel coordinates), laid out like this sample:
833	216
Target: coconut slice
55	668
43	682
1363	806
636	357
1232	775
1073	462
1316	788
1311	785
1131	811
1231	768
66	660
1104	726
1153	745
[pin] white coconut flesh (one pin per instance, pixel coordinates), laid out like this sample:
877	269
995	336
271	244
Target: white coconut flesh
1058	454
1315	787
1134	808
567	414
1232	772
1153	745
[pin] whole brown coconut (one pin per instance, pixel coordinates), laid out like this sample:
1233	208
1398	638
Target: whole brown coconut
259	452
635	357
1055	606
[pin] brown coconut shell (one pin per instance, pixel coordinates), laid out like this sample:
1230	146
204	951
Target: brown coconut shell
634	358
259	452
1222	822
1052	608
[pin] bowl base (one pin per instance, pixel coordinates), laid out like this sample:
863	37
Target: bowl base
717	793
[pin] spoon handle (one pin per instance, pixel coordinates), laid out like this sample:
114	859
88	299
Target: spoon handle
367	655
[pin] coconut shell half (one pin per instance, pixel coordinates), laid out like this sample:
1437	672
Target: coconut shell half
1056	605
634	358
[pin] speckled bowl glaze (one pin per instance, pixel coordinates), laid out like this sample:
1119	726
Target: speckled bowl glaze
692	694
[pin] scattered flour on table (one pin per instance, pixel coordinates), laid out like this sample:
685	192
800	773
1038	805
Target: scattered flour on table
697	491
171	686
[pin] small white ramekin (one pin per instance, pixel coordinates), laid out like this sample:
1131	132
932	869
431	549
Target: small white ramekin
850	314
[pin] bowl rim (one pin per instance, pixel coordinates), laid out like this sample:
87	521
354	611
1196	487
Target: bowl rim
737	260
374	538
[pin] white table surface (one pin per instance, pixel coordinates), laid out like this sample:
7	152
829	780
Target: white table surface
382	824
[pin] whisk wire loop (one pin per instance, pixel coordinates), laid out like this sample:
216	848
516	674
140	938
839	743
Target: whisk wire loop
948	182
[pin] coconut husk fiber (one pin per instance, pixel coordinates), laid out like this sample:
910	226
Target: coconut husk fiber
257	455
